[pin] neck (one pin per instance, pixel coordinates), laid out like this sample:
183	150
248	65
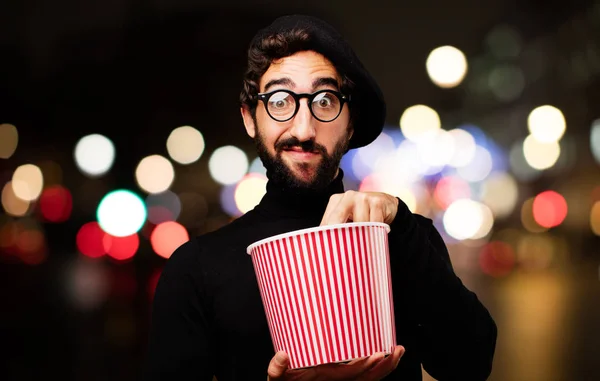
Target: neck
283	200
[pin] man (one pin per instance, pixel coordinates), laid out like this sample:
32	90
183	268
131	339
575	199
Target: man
306	100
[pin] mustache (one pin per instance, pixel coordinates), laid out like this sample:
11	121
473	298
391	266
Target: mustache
307	146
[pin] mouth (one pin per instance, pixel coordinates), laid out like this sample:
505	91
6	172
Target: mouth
299	153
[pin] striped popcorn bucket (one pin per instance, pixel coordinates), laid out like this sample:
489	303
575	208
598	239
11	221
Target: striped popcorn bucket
327	292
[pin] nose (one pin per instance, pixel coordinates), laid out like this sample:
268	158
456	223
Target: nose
303	124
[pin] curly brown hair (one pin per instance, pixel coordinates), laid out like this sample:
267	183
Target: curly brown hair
272	47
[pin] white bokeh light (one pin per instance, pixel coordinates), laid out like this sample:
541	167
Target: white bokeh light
185	145
250	191
540	155
479	167
419	123
446	66
94	155
547	124
121	213
467	219
464	148
500	192
28	182
155	174
228	164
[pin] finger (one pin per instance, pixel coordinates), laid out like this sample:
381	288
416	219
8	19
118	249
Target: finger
360	212
350	371
341	212
385	367
278	365
376	213
334	201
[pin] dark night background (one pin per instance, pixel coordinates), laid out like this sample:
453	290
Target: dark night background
133	70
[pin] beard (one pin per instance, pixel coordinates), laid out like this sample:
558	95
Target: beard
278	171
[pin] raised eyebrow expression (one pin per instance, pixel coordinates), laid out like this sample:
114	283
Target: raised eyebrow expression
319	82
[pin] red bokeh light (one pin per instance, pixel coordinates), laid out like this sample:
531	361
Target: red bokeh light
549	209
121	248
167	237
56	204
32	247
89	240
497	259
450	189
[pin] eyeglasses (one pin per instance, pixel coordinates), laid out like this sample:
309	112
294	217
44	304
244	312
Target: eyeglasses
283	105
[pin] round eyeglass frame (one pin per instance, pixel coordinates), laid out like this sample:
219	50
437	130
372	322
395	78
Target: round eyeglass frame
264	97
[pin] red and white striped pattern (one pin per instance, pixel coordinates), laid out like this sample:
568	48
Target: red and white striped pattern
327	292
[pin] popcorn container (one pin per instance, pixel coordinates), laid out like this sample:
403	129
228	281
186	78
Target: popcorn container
327	292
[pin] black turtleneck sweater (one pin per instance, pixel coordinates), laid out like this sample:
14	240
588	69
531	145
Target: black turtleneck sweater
208	318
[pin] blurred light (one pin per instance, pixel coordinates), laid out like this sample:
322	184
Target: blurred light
446	66
595	218
257	167
56	204
94	155
595	140
479	167
500	192
163	207
121	248
467	219
438	151
449	189
87	284
9	139
419	123
51	172
377	182
506	82
227	165
155	174
535	252
547	124
529	223
28	182
185	145
31	244
89	240
167	237
121	213
9	233
227	198
366	158
519	166
497	259
249	191
12	204
549	209
504	41
464	148
540	155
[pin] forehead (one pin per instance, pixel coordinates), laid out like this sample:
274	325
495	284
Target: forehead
302	68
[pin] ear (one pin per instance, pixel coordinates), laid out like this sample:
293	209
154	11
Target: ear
248	121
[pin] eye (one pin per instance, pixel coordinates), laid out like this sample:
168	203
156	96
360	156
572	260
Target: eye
280	100
325	100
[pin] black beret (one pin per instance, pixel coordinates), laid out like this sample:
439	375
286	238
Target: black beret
324	39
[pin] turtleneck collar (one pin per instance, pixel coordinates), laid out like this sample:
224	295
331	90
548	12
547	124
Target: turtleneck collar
283	201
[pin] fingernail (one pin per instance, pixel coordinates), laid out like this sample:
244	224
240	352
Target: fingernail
280	358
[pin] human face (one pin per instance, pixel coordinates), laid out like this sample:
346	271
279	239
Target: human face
303	151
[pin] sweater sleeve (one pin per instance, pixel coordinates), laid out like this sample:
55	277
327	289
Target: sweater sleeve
457	335
180	339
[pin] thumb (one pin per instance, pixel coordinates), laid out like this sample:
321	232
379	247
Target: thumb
278	365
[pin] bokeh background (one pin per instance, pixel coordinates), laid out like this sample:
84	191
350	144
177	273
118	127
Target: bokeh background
120	138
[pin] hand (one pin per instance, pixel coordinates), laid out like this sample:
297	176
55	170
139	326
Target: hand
370	368
360	207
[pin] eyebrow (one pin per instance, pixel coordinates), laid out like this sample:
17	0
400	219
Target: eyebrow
319	82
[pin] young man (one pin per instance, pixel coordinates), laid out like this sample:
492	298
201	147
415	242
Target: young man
306	100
